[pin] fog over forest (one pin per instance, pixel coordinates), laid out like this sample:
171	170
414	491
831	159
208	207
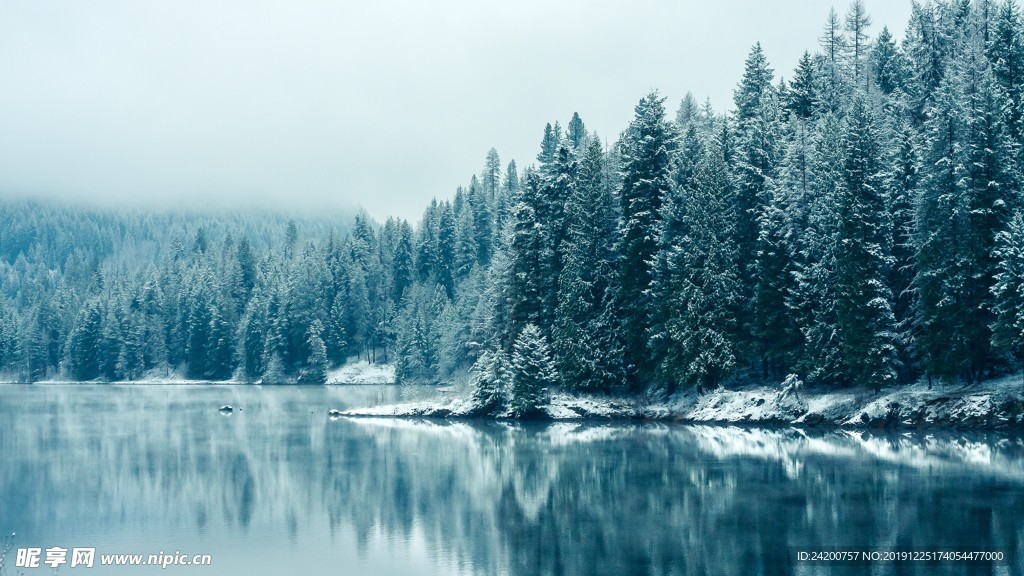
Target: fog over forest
382	106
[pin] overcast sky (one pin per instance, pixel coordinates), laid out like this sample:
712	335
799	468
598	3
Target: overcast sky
326	104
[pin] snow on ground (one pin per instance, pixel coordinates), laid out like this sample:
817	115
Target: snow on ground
996	404
426	409
362	372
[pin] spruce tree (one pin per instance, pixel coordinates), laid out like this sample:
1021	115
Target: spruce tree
687	113
402	265
813	303
131	362
84	342
756	163
490	179
533	374
887	64
1006	52
754	87
902	186
646	178
336	338
1008	291
587	338
197	330
576	131
220	358
966	197
803	95
548	147
528	255
490	379
704	283
922	44
556	191
863	305
315	371
773	322
252	338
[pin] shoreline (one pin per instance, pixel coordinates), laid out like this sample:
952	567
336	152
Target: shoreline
992	405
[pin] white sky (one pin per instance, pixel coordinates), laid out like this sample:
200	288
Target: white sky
328	103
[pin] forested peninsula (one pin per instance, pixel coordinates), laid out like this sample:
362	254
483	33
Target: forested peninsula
852	225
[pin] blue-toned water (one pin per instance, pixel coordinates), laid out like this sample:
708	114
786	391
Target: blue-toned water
279	488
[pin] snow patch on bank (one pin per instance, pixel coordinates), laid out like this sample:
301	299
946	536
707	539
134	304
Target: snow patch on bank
994	405
362	372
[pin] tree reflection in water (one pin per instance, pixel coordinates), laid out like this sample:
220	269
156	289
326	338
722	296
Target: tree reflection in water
151	467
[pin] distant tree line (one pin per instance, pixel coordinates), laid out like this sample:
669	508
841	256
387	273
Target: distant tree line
860	223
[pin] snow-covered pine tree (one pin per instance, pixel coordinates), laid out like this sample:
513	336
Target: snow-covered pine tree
446	235
315	371
756	162
8	338
1008	291
84	342
253	338
480	207
863	261
548	147
923	46
887	65
490	380
814	300
504	201
402	264
646	178
902	185
556	190
966	197
465	255
490	178
112	336
587	339
803	95
576	132
687	155
774	324
220	362
687	113
197	328
533	374
1006	52
755	86
701	325
336	338
528	254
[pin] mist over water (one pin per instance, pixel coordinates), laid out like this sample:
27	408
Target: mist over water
278	487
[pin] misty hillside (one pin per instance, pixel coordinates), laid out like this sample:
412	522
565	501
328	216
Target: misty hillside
854	221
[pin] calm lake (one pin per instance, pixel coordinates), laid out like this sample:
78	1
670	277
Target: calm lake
279	488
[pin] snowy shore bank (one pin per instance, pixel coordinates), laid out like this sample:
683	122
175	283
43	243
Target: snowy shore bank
992	405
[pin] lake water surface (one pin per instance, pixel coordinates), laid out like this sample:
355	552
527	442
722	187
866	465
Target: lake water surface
279	488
